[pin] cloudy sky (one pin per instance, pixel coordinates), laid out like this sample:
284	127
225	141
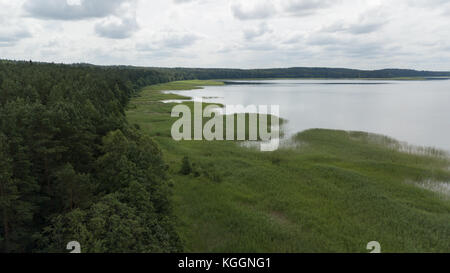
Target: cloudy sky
365	34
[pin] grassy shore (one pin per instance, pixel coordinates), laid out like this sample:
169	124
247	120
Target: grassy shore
328	191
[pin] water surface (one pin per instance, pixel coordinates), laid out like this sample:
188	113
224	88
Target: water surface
417	112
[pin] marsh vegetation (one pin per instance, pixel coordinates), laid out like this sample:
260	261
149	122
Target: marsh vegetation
328	191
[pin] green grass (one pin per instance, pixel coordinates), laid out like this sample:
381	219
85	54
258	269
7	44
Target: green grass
333	192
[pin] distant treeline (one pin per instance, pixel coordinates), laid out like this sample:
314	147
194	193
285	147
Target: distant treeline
72	169
304	72
295	72
141	75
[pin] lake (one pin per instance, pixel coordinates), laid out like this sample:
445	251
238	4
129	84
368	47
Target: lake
417	112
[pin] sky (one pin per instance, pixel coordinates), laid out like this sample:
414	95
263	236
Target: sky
362	34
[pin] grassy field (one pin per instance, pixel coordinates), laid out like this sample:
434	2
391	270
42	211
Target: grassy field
332	191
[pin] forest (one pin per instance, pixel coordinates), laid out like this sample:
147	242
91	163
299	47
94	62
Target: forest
71	168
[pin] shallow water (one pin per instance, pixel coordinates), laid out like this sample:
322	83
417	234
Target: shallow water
442	188
417	112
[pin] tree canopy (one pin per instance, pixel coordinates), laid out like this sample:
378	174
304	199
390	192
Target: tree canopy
72	169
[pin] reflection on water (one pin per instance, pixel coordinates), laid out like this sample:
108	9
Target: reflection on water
417	112
442	188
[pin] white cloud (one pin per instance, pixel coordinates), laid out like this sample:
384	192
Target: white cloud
365	34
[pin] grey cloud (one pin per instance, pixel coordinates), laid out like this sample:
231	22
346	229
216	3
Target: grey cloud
62	10
293	39
364	50
306	7
325	40
10	36
117	28
428	3
365	28
266	9
226	49
170	40
183	1
333	45
14	36
368	22
357	28
260	10
441	5
260	47
6	44
180	40
146	46
251	34
256	47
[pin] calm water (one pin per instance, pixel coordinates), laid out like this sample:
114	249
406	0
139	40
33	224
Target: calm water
417	112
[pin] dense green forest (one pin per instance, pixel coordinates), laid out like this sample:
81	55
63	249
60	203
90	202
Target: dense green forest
71	168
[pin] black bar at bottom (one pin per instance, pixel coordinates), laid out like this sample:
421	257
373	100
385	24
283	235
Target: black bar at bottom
222	262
